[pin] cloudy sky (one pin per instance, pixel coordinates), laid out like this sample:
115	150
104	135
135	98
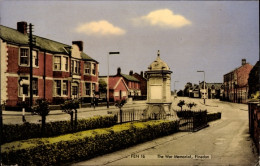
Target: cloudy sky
191	35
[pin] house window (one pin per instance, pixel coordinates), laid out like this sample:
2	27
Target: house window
24	88
66	63
93	68
65	88
74	90
75	67
87	88
35	58
93	88
24	56
35	86
57	63
87	67
57	87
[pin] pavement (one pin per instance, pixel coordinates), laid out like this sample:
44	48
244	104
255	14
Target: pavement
15	117
224	142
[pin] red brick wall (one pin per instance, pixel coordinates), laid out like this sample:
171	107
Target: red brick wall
12	91
49	89
243	74
121	86
12	63
49	71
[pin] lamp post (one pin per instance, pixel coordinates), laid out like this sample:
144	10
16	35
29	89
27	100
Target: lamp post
204	96
110	53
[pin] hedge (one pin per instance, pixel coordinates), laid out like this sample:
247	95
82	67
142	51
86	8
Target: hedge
14	132
85	144
213	116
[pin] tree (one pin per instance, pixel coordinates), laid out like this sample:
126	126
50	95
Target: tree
69	107
102	86
181	104
190	105
187	88
41	108
119	104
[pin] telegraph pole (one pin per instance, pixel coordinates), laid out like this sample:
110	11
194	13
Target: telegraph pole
31	64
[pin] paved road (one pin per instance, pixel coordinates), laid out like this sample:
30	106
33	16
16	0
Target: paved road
224	142
15	117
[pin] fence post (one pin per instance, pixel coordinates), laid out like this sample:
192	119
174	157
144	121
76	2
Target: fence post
120	112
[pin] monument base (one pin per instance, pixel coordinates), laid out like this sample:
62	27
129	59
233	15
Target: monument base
158	111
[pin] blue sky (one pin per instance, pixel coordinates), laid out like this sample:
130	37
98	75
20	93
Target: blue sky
191	35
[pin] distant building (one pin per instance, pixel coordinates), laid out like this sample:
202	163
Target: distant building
60	71
213	90
118	89
236	83
143	82
122	86
133	83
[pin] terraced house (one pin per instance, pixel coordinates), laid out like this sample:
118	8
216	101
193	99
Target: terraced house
60	71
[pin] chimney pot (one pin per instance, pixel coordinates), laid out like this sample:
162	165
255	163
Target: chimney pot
131	72
243	61
79	44
22	27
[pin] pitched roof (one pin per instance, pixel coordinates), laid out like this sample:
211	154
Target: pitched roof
130	78
15	37
114	81
84	56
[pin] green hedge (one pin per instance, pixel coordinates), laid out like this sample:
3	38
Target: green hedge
14	132
213	116
84	145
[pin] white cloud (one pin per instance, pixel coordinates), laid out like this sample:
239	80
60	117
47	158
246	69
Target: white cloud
99	28
164	18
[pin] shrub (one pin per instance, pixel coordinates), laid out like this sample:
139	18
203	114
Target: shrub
14	132
84	145
213	116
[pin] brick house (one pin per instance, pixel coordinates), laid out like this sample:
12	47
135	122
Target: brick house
236	83
122	82
143	82
133	84
118	89
60	71
213	90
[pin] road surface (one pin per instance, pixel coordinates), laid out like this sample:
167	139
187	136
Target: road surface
224	142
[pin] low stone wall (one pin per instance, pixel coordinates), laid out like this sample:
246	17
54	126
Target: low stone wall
254	122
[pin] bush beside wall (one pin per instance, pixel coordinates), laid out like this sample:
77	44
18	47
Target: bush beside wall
14	132
213	116
85	144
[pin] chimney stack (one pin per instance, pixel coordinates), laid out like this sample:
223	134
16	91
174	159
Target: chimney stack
131	72
243	62
119	71
142	73
79	44
22	27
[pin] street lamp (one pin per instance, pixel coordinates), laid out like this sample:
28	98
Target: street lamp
110	53
204	96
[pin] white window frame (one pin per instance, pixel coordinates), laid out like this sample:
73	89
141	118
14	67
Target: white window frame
85	88
20	91
87	66
93	68
35	57
66	63
54	62
28	56
61	88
